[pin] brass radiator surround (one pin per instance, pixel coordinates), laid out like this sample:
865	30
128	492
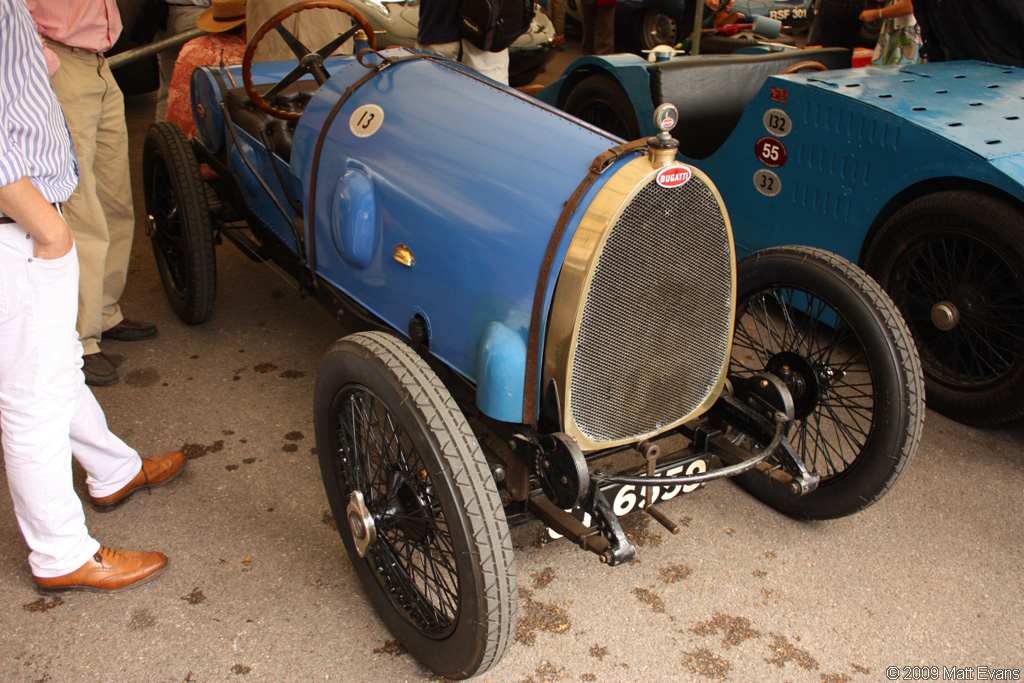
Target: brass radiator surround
562	350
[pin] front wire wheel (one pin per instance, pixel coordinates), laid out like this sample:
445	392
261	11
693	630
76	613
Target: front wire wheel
411	490
836	340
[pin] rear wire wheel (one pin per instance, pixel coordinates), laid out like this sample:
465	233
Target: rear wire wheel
600	100
954	264
438	566
654	28
836	340
180	227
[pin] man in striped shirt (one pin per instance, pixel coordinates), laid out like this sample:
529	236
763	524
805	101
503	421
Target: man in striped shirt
46	411
76	33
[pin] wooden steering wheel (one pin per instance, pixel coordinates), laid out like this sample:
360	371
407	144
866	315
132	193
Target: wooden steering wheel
804	66
310	61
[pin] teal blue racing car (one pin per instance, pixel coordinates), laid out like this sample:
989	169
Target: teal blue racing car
914	172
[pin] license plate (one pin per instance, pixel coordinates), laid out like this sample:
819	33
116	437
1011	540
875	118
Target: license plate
629	499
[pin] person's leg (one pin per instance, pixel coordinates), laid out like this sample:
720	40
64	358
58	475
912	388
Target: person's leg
113	188
80	91
558	16
180	18
589	18
39	382
604	30
491	64
814	33
110	464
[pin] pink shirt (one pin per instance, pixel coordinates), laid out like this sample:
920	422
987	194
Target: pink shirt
90	24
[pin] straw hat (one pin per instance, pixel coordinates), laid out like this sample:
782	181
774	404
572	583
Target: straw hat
222	15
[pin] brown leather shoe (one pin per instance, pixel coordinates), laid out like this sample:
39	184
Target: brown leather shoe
109	571
155	472
130	330
99	370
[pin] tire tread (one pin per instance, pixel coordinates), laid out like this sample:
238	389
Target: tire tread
465	462
183	168
905	354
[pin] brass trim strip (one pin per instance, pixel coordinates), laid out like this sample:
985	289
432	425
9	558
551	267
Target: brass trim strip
574	284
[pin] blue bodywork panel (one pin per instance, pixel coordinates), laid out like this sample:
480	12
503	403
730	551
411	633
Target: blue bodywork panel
858	143
859	139
971	104
369	186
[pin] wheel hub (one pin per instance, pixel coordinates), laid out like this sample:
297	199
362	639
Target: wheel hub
945	315
406	509
312	61
562	470
658	29
360	521
802	380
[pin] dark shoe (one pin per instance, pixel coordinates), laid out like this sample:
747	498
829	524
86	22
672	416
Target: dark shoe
109	571
155	472
130	330
99	370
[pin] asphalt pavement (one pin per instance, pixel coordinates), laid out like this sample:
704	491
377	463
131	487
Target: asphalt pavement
259	587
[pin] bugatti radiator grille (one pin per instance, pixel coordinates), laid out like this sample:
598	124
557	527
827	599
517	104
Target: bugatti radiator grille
655	328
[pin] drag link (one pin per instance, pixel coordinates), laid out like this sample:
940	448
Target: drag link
685	480
651	452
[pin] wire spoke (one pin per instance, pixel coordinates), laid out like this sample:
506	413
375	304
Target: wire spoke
414	556
791	320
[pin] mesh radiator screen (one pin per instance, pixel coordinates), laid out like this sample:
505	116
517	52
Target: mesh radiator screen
655	327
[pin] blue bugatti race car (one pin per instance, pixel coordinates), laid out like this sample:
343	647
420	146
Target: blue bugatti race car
535	297
914	172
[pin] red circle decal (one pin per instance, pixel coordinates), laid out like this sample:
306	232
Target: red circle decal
771	152
674	176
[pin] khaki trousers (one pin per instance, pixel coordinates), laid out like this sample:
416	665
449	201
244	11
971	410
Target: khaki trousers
100	211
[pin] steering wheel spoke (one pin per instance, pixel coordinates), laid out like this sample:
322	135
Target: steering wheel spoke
293	43
309	61
294	75
328	49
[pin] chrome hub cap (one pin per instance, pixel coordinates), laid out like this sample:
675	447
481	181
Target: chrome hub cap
945	315
364	531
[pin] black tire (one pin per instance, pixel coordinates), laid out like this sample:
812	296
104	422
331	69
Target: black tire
960	252
859	396
518	80
654	28
180	226
600	100
432	498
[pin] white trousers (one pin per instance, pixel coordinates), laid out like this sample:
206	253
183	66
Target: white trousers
491	64
46	411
